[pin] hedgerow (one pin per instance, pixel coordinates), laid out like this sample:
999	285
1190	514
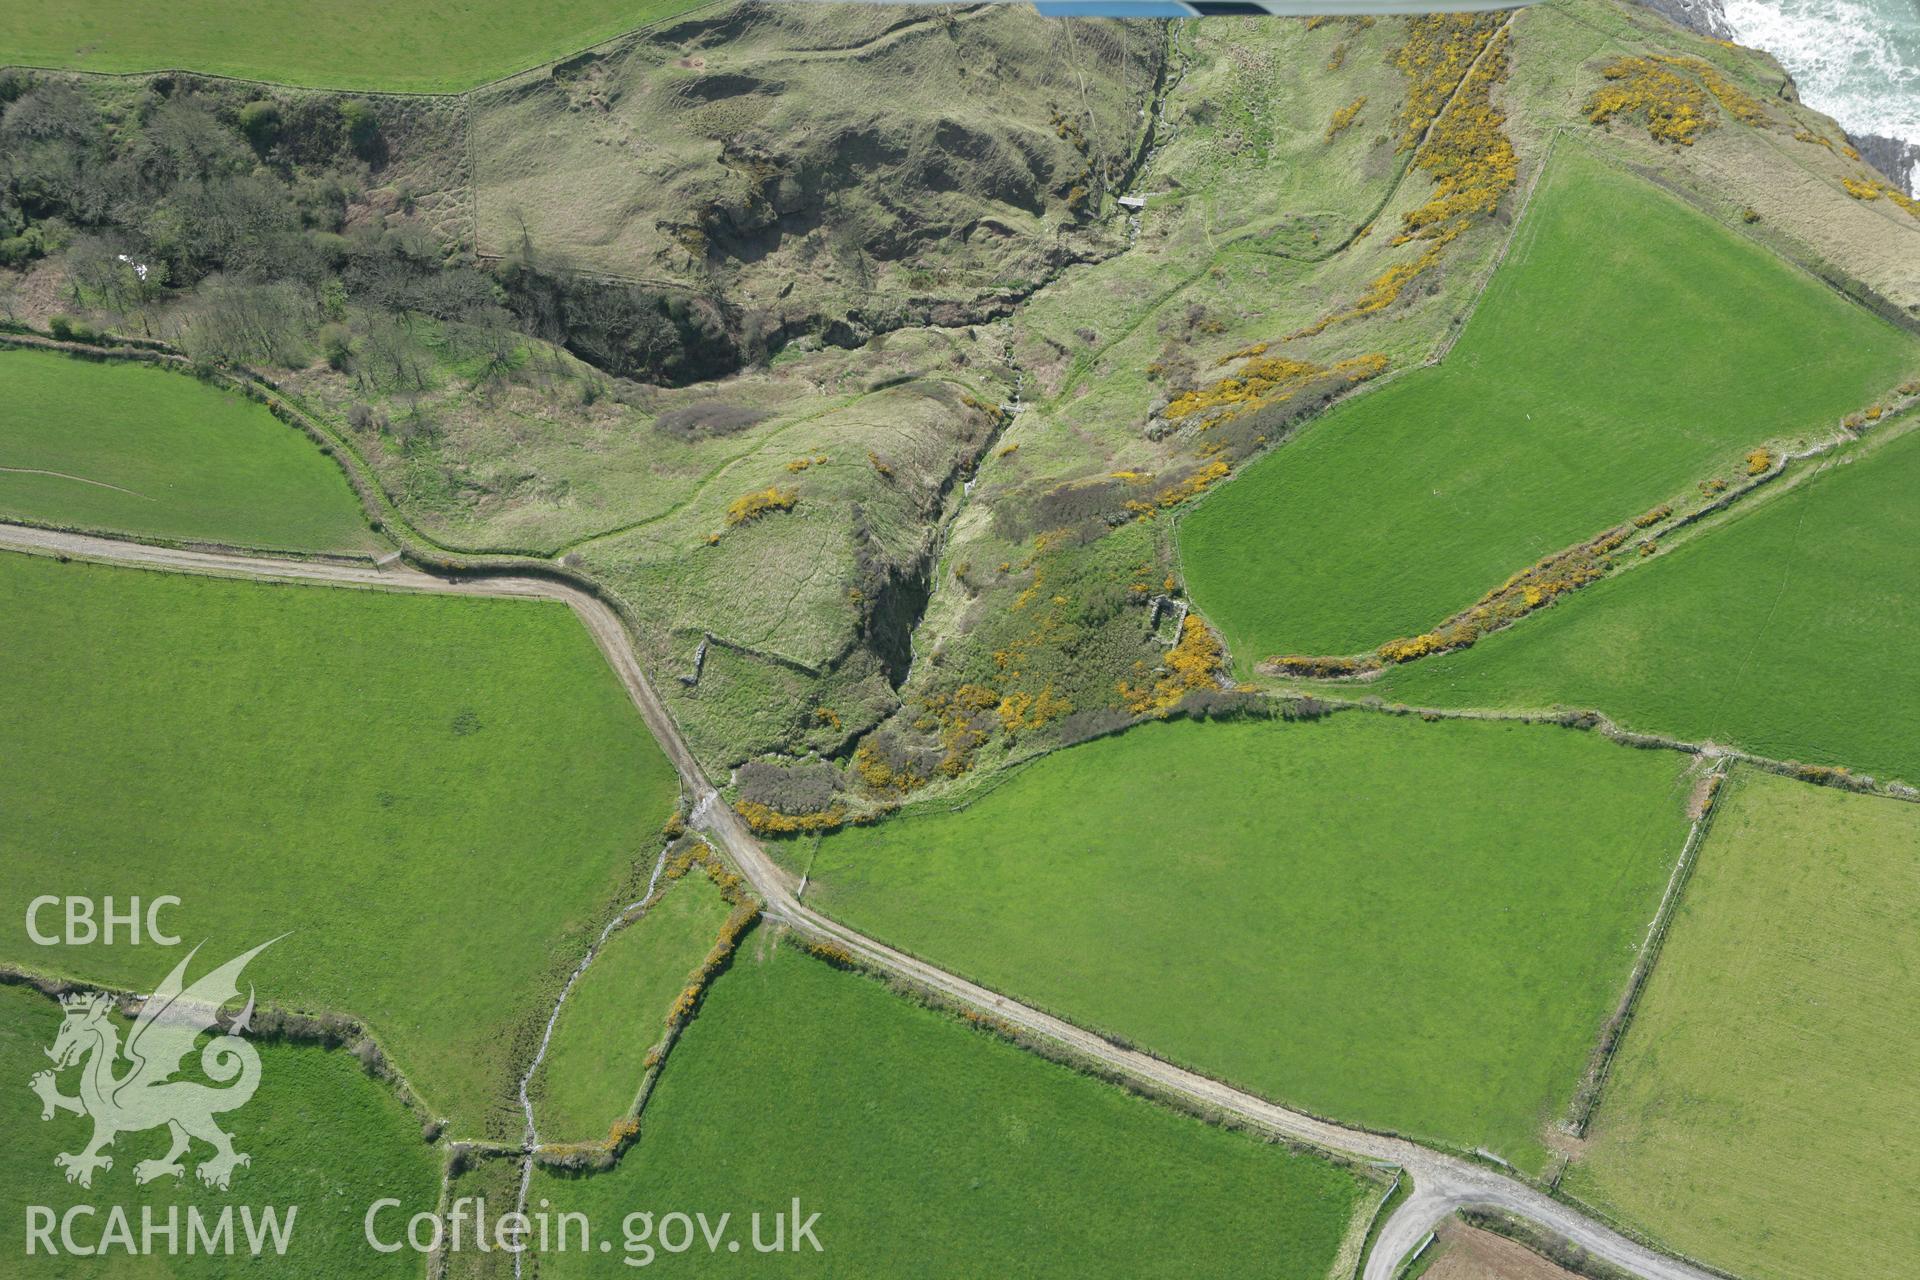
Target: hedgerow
697	855
686	1004
1542	582
1532	588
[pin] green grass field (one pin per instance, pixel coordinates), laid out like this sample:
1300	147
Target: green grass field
438	797
1628	348
323	1137
617	1011
123	448
1759	1115
932	1150
1789	631
1409	925
496	1181
418	46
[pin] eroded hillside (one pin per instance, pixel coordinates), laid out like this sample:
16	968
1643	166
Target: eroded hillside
819	338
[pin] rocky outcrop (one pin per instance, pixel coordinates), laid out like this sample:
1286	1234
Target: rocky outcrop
1703	16
1895	157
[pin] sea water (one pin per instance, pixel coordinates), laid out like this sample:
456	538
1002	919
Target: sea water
1855	60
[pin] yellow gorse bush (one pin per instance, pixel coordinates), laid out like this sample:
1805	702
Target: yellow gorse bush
1873	189
1194	663
1439	50
1265	380
1260	379
1020	710
1674	96
1532	588
766	820
1193	486
751	506
1343	118
1469	156
1463	146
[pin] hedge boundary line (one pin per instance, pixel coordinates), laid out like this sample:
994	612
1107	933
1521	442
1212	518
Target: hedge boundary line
1657	529
691	853
1587	1096
273	1024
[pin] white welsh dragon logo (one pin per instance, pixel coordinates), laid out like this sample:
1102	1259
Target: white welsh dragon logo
146	1096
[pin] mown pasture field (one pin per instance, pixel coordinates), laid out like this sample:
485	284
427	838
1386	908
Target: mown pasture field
322	1135
1787	631
617	1011
122	448
1400	924
1769	1068
437	798
419	46
1628	348
930	1149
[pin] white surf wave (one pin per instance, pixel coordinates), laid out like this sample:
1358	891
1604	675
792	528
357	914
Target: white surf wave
1855	60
